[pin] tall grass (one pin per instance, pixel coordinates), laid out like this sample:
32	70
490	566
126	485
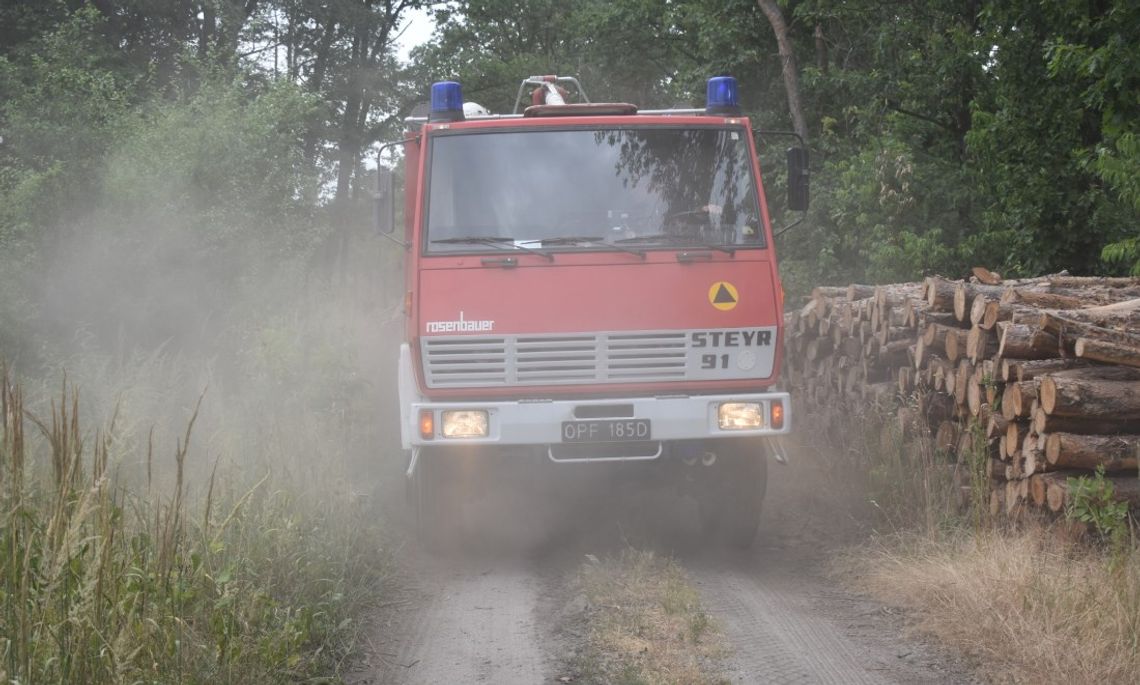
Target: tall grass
256	579
1029	601
1029	605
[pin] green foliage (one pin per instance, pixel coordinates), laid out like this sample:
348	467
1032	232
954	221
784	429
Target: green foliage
1092	501
254	580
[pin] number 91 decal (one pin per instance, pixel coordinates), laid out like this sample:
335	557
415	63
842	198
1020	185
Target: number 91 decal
730	353
714	361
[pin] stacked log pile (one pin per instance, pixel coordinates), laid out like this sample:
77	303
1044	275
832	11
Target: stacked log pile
1040	378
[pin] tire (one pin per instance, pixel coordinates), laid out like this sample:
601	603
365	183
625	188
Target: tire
733	495
434	509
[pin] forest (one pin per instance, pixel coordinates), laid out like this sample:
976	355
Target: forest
943	134
186	240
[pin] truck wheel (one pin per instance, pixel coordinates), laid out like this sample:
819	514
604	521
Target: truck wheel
731	501
433	508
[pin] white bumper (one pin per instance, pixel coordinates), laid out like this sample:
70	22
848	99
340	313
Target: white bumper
540	422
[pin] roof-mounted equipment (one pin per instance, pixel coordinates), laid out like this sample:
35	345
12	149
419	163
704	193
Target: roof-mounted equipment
722	96
446	102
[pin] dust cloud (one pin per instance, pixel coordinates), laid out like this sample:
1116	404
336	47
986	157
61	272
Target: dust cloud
289	334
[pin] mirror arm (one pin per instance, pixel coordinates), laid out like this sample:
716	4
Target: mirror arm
803	145
379	153
399	242
763	132
795	223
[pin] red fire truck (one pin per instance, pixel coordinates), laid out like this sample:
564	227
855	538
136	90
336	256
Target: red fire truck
589	283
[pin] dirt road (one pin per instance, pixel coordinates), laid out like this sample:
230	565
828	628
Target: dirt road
500	610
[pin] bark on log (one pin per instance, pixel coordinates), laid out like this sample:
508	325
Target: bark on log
997	501
1023	395
946	438
1080	397
1099	350
978	309
1070	329
1086	281
1113	452
1033	460
1045	424
1028	369
1016	398
1037	488
1019	341
996	427
985	276
905	380
1042	300
965	293
939	293
995	469
935	407
1121	316
965	447
887	296
828	291
995	313
935	335
927	317
1125	489
859	292
980	344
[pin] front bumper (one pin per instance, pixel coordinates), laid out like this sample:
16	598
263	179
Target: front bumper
539	422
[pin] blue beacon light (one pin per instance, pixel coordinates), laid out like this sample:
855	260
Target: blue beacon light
446	101
722	96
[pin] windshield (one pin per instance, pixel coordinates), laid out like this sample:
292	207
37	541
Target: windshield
582	189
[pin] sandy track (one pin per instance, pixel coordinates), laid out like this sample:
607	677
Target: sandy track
474	623
494	615
789	625
776	636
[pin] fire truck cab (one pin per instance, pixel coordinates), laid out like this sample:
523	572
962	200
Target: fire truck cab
589	283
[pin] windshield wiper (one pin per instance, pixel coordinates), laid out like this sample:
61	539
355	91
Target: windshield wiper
595	239
672	238
494	241
475	239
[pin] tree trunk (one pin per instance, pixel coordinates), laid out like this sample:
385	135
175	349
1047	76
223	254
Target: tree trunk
775	17
820	49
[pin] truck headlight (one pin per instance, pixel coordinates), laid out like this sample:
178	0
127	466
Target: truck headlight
466	423
740	415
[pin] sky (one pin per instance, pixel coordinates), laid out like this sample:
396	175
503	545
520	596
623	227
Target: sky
416	31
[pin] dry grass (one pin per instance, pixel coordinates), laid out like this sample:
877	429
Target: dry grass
255	581
645	624
1029	605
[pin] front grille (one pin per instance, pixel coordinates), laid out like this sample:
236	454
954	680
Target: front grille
560	359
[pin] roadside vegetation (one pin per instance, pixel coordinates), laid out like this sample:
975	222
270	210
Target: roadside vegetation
120	566
1037	601
184	206
643	623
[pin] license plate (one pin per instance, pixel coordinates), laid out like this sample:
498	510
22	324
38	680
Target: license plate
605	430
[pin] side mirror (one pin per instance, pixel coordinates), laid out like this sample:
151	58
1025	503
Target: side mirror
384	211
798	177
